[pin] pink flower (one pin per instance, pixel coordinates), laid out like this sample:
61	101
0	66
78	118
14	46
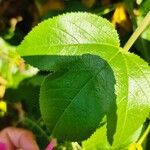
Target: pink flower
2	146
51	145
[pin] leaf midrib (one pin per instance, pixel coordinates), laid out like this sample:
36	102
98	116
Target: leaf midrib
125	117
65	45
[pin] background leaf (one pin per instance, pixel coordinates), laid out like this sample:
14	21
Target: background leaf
37	131
30	98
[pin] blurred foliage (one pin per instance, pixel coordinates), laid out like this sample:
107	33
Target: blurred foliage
11	65
17	17
38	130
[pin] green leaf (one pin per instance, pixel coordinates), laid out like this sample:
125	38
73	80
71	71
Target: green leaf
144	7
132	94
67	35
143	42
64	42
28	93
98	141
77	98
132	90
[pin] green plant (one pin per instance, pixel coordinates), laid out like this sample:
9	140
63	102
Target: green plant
93	83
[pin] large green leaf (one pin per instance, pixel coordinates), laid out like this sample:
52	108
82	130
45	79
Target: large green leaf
98	141
78	97
132	90
69	45
81	33
66	35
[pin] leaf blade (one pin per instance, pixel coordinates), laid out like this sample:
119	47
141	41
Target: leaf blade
96	41
84	102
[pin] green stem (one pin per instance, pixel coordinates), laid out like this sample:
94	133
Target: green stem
76	146
138	31
143	137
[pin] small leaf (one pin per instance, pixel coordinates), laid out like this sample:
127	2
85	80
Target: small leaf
143	42
144	7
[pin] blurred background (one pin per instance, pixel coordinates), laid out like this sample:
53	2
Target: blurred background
19	91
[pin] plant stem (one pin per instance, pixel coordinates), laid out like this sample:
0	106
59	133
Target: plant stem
144	135
76	146
137	32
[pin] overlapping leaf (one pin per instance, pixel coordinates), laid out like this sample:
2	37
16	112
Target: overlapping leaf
78	97
132	90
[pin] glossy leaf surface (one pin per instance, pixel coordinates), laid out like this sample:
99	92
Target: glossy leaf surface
67	36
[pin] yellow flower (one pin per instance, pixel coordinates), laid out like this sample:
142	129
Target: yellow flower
2	90
3	83
120	17
3	106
